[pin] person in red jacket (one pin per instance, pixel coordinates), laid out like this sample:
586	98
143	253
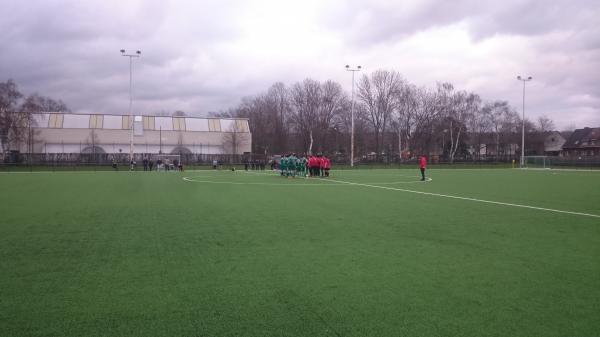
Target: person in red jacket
423	166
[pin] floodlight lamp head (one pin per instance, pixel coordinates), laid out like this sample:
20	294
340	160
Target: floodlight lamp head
347	66
122	51
138	52
359	67
529	78
518	77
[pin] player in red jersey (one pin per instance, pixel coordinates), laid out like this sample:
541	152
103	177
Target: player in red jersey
423	166
326	165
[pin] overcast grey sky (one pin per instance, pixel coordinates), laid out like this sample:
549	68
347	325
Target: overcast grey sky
201	56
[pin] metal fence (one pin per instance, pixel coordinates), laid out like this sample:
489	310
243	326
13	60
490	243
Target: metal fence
103	161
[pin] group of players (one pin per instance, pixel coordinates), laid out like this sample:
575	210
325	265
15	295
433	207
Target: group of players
313	166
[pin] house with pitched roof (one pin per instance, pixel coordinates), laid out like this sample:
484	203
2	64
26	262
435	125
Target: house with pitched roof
583	143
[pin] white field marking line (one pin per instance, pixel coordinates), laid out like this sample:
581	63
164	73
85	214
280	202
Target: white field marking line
192	180
553	169
416	169
113	171
72	171
470	199
272	173
400	182
325	180
380	183
266	173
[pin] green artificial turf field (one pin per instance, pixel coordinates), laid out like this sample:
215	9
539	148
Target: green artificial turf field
250	254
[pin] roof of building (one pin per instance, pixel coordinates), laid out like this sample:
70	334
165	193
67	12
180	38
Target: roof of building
584	138
143	115
53	120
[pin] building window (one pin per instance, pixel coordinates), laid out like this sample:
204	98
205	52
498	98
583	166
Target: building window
138	126
126	123
56	121
241	125
178	123
96	121
148	123
214	125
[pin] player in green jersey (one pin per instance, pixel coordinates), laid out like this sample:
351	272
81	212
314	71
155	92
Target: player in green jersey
291	165
283	165
301	166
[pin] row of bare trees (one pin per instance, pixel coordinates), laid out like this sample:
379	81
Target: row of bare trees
16	113
392	116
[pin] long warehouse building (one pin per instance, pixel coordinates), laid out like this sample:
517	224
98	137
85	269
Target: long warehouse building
95	133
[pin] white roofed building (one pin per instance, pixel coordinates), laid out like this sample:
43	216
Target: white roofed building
103	133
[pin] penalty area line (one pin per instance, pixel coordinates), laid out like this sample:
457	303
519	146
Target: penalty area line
468	199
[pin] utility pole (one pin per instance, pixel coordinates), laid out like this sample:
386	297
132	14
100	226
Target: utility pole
522	161
353	70
131	121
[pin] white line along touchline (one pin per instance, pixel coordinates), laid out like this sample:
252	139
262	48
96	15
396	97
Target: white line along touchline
469	199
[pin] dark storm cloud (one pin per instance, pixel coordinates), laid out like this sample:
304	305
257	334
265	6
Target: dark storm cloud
556	41
204	56
379	21
70	49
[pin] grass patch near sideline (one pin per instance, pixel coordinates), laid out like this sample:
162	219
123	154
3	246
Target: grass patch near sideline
253	254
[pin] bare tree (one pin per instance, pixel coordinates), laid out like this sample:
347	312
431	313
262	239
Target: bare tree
545	124
426	114
480	126
314	112
278	97
234	139
332	103
306	98
458	108
37	103
405	115
222	113
378	93
258	110
343	124
11	120
502	120
16	117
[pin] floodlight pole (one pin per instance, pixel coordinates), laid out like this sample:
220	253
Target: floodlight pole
131	121
524	80
353	70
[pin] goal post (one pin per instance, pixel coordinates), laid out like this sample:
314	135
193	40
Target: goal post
540	162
